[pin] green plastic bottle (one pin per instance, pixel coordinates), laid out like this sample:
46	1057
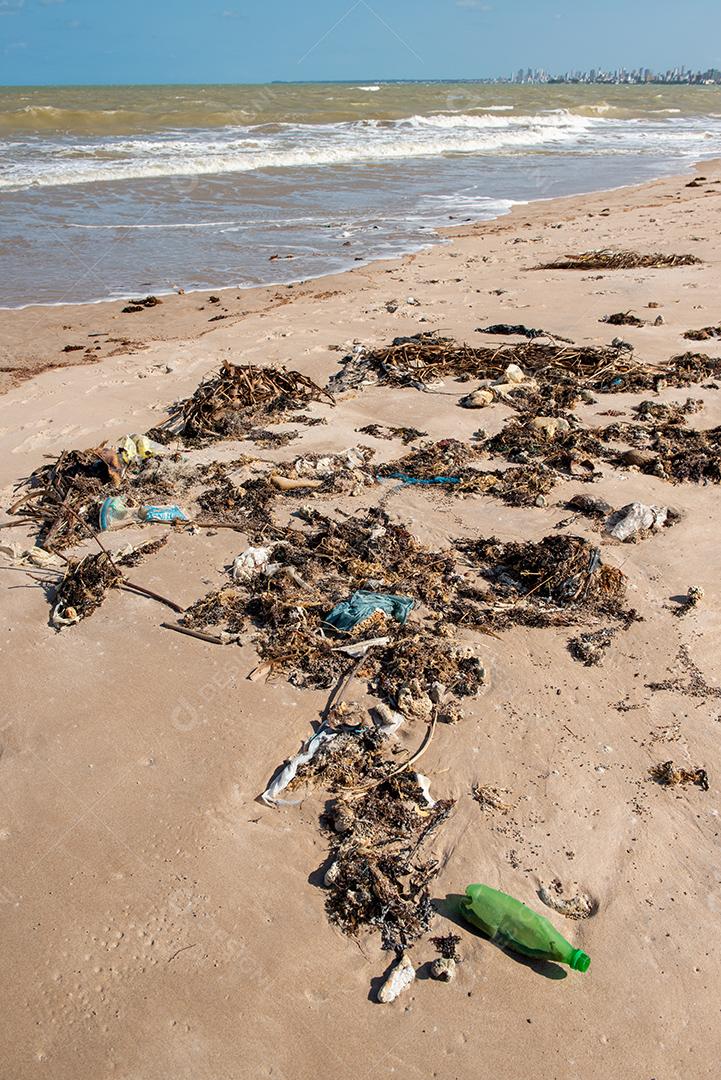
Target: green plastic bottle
511	924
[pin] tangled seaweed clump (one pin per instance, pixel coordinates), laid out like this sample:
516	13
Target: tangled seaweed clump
309	572
555	581
617	260
445	465
236	399
553	375
376	827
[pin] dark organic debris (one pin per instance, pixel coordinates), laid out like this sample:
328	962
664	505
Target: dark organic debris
688	678
140	305
62	498
667	412
377	879
507	328
616	260
445	464
317	567
666	774
86	581
669	450
383	431
622	318
446	945
238	397
572	451
83	588
555	375
590	647
559	580
704	334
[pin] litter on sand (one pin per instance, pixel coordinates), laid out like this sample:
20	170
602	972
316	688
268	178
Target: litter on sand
349	614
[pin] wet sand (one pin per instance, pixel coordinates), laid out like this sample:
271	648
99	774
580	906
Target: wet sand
158	921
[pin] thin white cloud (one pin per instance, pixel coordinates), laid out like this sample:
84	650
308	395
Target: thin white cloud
474	5
11	7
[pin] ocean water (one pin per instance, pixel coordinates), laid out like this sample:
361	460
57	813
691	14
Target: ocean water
111	191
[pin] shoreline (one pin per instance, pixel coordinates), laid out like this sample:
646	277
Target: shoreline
18	363
437	232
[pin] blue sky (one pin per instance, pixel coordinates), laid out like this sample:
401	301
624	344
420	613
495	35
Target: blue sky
149	41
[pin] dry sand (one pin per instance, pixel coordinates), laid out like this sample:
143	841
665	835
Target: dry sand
157	920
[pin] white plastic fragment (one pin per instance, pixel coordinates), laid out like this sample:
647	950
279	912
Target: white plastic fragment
357	649
387	720
625	523
311	748
248	562
402	975
425	785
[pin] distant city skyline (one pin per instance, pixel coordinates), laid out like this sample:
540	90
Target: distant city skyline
677	76
46	42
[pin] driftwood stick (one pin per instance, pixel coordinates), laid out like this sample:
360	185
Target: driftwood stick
132	587
212	638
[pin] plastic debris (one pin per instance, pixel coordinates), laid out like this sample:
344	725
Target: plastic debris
249	562
362	604
625	524
163	513
289	771
512	925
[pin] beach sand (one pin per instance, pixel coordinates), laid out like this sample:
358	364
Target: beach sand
158	921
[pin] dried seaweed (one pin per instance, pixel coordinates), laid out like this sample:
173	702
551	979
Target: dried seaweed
573	452
446	945
376	879
83	587
704	334
688	679
226	606
622	318
384	431
556	581
556	374
62	497
233	401
517	329
666	774
86	581
617	260
590	647
670	451
443	465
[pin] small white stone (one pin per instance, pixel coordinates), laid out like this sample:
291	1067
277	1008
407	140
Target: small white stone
402	975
